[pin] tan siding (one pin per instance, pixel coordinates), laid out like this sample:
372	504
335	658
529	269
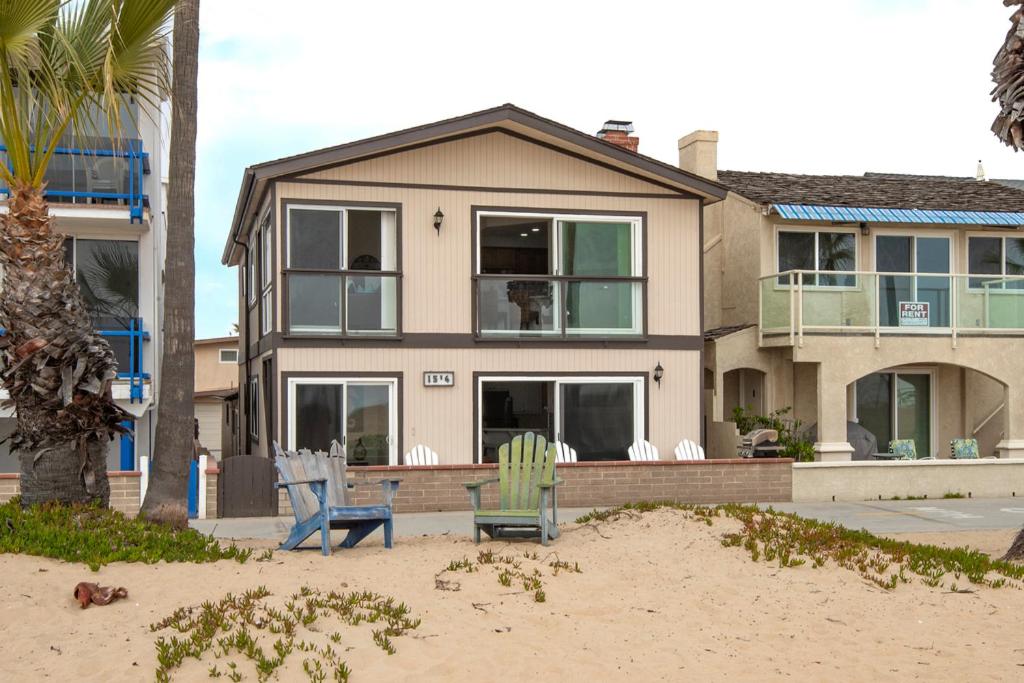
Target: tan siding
210	373
491	160
437	269
443	418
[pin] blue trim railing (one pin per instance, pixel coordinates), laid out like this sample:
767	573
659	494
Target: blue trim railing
134	198
133	373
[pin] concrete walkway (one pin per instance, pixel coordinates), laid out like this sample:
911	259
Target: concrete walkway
894	516
408	524
910	516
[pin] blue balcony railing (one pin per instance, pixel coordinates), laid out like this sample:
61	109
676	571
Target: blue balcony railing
127	346
108	172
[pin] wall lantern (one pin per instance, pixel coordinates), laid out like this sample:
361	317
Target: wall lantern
438	219
659	372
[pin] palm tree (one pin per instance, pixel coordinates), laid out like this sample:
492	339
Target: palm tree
167	496
62	64
1008	76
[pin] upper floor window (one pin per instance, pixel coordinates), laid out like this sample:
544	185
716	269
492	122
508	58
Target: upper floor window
228	355
266	276
996	256
559	275
342	270
818	251
251	270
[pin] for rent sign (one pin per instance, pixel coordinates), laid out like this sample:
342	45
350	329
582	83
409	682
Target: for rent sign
914	314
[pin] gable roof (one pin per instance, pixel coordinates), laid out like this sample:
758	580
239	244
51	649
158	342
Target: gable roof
507	117
876	190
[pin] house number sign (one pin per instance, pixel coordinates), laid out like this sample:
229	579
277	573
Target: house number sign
436	378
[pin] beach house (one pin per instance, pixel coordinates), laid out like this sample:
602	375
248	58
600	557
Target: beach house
461	282
888	303
105	192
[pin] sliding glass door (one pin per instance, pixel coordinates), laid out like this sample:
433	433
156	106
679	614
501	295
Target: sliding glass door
598	416
358	413
897	405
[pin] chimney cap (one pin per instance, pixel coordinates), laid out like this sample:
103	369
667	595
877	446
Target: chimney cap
616	125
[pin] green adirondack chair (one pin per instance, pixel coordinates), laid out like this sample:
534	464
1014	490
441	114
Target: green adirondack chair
526	484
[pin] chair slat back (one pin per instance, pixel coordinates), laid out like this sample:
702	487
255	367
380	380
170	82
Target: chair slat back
291	468
643	450
420	455
964	449
689	450
304	465
523	465
336	465
564	452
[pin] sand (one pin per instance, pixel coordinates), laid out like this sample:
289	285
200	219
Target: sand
659	599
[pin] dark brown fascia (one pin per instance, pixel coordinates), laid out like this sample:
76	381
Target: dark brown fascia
255	176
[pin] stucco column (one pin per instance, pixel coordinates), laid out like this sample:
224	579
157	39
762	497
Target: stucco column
1012	445
718	399
832	444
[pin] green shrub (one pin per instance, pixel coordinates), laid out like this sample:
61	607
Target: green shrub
792	442
96	536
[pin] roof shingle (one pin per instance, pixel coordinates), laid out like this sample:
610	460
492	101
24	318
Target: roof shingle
876	190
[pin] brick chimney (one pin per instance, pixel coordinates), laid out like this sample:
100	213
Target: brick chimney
618	133
698	153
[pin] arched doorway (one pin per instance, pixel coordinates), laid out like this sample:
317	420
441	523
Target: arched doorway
743	387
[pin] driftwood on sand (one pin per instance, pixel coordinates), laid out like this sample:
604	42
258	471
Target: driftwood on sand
93	593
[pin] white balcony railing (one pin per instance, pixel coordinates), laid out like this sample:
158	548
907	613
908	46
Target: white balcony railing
798	302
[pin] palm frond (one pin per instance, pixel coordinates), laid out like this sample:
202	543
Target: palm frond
68	66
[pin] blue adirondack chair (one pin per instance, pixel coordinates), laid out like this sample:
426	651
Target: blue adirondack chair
526	483
317	485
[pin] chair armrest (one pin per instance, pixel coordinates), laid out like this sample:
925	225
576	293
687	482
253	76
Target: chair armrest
478	484
372	482
553	484
282	484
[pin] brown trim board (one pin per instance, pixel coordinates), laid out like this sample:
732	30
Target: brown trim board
456	340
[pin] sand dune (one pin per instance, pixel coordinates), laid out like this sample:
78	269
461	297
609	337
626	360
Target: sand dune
659	599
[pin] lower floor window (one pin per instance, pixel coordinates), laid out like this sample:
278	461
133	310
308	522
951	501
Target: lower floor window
360	414
598	416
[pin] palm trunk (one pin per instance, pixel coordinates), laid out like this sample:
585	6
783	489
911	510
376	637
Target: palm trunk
55	368
167	497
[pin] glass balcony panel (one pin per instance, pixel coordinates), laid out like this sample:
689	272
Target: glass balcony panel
314	304
371	303
850	304
775	303
603	308
518	308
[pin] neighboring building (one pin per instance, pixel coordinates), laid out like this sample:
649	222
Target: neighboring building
216	387
461	282
107	194
895	302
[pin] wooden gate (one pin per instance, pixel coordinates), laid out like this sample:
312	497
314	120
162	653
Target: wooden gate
245	487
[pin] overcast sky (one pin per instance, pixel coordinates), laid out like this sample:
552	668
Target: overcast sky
842	86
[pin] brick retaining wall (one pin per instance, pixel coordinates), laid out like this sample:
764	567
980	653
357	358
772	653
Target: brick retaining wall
440	488
124	490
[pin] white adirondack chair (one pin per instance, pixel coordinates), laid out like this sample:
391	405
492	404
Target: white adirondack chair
420	455
688	450
564	452
643	450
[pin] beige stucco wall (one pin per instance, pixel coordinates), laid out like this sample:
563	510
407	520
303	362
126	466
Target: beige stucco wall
443	418
858	481
210	373
732	231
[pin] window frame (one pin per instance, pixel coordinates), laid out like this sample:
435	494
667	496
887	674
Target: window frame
640	399
563	333
253	405
816	230
251	256
1001	288
266	275
220	356
344	273
390	380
